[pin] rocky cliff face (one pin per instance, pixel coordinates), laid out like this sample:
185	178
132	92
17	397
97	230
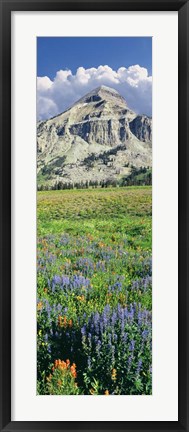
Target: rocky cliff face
98	138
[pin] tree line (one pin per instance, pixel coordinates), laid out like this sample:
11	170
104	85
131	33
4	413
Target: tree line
138	177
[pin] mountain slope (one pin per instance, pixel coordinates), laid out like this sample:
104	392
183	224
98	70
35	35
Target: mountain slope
97	138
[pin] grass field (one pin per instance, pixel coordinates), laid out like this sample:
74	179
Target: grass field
94	291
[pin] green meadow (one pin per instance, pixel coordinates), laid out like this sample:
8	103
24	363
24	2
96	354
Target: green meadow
113	215
94	288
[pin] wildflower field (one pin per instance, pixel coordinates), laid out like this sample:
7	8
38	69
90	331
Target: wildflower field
94	292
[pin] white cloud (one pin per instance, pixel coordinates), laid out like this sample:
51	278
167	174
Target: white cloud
55	96
46	107
43	84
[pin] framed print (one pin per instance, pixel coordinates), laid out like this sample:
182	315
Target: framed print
94	215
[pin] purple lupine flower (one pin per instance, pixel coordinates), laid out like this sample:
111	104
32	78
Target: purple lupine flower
48	309
49	348
135	285
84	330
90	339
86	265
115	337
140	316
56	280
46	337
124	337
129	362
59	308
96	322
98	347
131	313
145	334
100	265
65	281
113	354
107	309
139	366
132	345
105	318
101	325
114	318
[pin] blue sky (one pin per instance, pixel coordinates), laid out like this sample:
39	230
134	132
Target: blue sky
54	53
68	68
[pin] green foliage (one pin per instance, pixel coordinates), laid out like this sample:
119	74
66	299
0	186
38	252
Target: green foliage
139	176
102	157
48	171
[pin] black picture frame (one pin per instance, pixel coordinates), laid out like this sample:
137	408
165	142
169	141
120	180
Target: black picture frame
6	7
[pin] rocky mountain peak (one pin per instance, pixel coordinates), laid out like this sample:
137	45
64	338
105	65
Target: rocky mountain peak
97	138
103	94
